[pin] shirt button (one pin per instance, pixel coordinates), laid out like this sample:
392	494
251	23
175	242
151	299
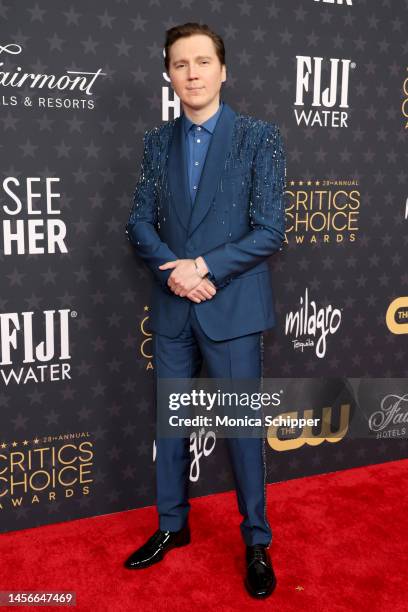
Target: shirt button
198	140
195	187
196	163
198	127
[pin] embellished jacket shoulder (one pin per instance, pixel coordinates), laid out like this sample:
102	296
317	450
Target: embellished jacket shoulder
249	134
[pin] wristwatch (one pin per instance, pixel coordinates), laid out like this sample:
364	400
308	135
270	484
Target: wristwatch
199	272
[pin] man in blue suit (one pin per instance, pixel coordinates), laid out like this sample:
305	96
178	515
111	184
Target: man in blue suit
208	211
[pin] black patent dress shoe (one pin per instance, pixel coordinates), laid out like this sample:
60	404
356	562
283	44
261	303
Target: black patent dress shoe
157	546
260	580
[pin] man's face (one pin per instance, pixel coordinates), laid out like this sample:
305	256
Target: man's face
195	71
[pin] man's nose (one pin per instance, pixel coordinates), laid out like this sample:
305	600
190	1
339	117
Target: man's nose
192	72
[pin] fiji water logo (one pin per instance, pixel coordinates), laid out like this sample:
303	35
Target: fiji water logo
311	325
35	346
322	91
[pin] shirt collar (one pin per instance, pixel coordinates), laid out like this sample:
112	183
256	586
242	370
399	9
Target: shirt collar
208	125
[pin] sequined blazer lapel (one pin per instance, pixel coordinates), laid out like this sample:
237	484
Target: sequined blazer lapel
191	216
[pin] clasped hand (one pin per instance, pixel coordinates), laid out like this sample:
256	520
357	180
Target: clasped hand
186	282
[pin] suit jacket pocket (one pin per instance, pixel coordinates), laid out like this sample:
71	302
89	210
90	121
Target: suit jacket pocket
234	169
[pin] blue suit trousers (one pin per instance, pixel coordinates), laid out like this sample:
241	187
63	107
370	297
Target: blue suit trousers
182	357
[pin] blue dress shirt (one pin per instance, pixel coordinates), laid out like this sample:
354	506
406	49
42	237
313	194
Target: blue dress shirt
197	142
198	138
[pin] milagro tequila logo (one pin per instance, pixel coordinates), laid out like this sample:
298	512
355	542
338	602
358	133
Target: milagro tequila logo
391	420
22	358
324	105
72	80
313	324
202	444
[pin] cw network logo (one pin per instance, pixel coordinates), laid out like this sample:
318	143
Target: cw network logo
396	317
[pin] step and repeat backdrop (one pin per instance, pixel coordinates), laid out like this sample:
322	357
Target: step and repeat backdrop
80	83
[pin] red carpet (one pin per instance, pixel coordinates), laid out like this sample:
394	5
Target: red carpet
340	543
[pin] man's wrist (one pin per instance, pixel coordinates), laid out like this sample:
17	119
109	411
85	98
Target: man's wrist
201	266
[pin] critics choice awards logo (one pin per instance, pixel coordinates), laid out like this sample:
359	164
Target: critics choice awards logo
322	211
36	471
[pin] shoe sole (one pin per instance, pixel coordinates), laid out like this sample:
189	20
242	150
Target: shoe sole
263	595
159	558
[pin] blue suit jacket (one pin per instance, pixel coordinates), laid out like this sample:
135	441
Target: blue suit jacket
237	221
